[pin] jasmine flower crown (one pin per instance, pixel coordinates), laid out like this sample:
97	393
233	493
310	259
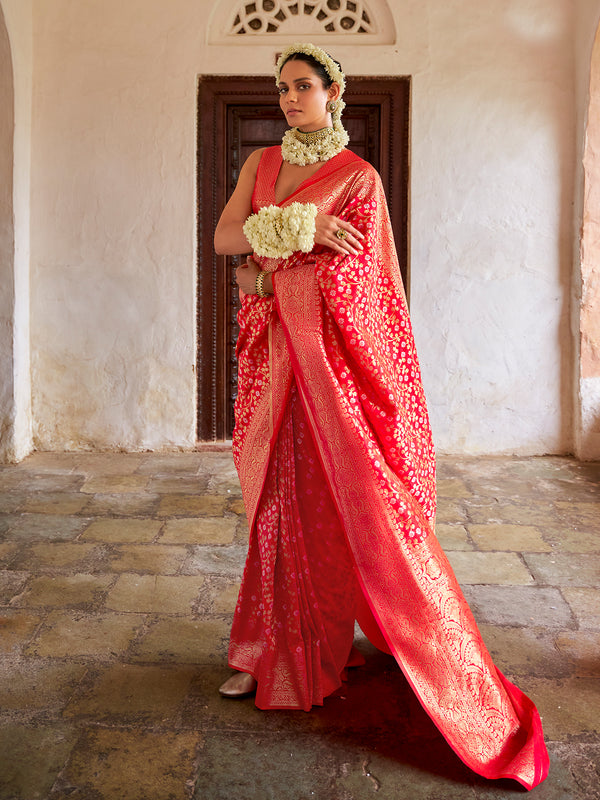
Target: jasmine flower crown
333	70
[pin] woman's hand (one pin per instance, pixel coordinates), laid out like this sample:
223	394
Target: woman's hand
246	275
327	227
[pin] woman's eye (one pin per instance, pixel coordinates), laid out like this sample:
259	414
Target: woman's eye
282	90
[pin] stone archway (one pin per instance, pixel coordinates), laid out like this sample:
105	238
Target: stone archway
7	245
588	428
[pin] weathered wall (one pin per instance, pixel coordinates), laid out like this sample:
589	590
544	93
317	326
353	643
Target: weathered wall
492	189
15	149
113	210
588	296
7	242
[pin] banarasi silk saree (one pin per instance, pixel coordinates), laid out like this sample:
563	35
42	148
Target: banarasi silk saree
334	452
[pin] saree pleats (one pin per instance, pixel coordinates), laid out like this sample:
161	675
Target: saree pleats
294	622
333	448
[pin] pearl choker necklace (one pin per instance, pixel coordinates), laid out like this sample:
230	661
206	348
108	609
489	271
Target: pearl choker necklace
308	147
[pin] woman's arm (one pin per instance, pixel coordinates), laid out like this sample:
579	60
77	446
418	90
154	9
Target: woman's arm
246	275
229	237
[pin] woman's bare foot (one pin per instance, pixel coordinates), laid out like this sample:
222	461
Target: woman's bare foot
239	685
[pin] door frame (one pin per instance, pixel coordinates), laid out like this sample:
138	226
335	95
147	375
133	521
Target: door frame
215	93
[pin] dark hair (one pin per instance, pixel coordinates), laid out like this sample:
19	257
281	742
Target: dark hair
316	65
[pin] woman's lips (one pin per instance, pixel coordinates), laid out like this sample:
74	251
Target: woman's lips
293	111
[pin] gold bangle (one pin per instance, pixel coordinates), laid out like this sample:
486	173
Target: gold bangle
260	279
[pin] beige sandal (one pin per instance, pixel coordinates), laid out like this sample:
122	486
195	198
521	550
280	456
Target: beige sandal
242	684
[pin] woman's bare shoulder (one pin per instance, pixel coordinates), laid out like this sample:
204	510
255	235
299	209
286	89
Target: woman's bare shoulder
251	163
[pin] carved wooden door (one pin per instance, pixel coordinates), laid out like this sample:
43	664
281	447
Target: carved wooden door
236	116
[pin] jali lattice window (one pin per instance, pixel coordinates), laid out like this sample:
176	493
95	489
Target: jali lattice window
261	17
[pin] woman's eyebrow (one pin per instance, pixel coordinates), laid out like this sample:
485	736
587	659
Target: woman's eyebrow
297	80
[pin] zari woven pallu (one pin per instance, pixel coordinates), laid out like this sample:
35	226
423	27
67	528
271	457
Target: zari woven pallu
333	448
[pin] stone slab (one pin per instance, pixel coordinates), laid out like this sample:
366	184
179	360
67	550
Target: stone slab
107	764
526	651
79	634
107	463
199	530
562	783
133	694
10	479
11	583
48	460
492	568
178	484
451	511
585	605
186	505
184	641
79	590
156	559
583	648
55	503
50	481
158	594
16	629
515	538
172	464
503	513
58	556
293	767
451	487
453	537
8	551
580	514
576	765
48	527
122	530
29	684
10	502
226	484
559	569
122	505
565	539
569	707
236	505
225	600
115	484
216	560
31	758
521	606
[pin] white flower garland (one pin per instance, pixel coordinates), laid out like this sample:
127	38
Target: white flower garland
297	150
277	232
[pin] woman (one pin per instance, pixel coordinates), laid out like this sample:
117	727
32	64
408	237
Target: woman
333	447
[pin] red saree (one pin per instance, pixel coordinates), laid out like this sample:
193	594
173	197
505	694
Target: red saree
334	452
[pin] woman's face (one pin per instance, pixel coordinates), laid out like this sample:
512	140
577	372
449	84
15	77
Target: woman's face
303	98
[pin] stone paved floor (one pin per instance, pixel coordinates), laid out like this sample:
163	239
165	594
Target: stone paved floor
118	577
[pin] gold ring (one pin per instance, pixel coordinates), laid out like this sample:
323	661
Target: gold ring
341	233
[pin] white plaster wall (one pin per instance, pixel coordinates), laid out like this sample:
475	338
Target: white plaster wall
586	389
113	206
6	243
492	189
17	442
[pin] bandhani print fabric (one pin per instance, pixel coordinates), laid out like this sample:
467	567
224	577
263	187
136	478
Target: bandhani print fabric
334	452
